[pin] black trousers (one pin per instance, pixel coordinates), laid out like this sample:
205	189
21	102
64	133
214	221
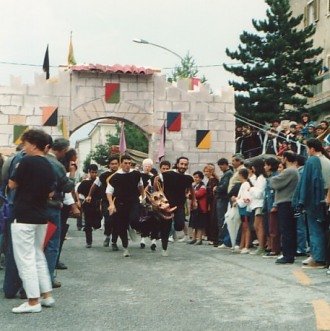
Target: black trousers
109	228
127	213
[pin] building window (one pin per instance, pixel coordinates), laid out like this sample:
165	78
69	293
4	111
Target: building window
312	12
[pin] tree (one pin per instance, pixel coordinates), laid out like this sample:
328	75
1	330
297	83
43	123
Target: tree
135	139
187	69
278	66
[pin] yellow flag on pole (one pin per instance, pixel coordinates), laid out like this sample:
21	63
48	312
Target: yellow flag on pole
64	128
71	59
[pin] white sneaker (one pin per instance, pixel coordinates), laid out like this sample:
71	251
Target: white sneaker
236	249
171	239
309	259
142	243
47	302
180	235
126	252
223	246
164	252
26	308
245	251
153	245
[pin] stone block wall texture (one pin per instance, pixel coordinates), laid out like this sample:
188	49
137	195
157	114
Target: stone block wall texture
144	101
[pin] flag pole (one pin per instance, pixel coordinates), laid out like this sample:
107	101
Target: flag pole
122	142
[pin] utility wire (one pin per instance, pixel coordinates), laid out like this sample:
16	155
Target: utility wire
24	64
40	65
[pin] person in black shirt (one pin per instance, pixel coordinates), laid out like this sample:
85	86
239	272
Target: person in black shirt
102	182
123	192
146	176
35	182
176	185
91	209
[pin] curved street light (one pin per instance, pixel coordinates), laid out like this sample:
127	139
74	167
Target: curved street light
142	41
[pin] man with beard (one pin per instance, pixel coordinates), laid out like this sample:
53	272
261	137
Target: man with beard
176	185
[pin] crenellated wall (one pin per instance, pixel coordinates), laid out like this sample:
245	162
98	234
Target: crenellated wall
74	98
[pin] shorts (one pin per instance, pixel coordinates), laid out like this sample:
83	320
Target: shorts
258	211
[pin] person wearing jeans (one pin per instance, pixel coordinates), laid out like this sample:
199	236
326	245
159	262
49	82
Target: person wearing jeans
313	187
285	185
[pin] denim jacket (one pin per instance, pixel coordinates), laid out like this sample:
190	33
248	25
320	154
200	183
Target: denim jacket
269	201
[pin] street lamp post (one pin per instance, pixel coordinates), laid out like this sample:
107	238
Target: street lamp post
142	41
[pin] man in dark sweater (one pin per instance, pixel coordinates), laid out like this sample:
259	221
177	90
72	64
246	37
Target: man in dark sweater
285	185
222	200
64	185
123	192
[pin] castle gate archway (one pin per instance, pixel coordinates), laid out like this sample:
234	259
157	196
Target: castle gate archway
200	125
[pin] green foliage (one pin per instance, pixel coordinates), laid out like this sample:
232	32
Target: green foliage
135	139
187	69
277	65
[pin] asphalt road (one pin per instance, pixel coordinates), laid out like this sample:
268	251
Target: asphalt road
194	288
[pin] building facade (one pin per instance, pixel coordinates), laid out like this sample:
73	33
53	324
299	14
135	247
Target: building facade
317	12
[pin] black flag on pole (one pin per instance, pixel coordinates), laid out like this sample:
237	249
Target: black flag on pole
45	66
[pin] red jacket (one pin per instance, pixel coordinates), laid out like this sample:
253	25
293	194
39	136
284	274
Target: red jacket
201	196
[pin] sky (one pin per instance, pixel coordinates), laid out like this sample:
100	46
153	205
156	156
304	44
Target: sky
103	30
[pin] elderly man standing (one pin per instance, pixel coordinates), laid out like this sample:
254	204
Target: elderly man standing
222	199
285	185
64	185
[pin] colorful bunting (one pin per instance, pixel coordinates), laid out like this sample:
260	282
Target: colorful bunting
194	82
173	121
49	116
122	140
203	139
64	128
18	132
112	92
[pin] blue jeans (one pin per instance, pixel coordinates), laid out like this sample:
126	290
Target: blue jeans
288	230
53	246
12	282
301	234
1	241
317	237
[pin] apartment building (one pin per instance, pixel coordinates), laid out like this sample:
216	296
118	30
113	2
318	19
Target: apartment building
317	12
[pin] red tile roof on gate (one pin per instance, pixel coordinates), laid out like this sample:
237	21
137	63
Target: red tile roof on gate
116	69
